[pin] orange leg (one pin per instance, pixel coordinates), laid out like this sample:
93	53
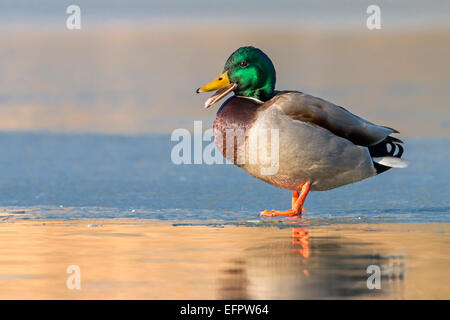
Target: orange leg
295	196
297	204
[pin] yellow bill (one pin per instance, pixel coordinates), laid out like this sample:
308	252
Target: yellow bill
223	86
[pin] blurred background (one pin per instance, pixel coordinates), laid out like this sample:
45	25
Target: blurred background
86	115
85	123
134	66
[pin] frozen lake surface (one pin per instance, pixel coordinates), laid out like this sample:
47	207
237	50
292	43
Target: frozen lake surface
50	176
140	227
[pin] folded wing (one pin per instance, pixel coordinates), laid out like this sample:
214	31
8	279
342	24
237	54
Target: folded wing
316	111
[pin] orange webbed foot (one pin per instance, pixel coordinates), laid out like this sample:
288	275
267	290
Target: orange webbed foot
287	213
297	205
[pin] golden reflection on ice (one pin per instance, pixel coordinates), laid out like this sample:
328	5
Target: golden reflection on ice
155	260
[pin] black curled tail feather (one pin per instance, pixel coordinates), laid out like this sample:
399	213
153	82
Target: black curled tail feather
389	147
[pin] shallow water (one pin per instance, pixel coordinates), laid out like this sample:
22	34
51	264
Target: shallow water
141	227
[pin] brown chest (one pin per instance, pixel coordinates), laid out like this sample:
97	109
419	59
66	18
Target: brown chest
233	121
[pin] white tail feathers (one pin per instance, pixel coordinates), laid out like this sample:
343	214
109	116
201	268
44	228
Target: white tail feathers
392	162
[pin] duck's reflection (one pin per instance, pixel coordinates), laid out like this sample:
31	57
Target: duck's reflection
312	267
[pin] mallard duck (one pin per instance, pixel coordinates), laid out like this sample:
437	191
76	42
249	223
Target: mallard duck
321	146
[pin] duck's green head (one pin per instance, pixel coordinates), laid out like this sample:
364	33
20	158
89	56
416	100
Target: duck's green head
248	72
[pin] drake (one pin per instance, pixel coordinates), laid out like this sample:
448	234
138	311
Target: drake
321	146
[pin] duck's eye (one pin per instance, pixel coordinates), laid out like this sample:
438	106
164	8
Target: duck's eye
243	64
